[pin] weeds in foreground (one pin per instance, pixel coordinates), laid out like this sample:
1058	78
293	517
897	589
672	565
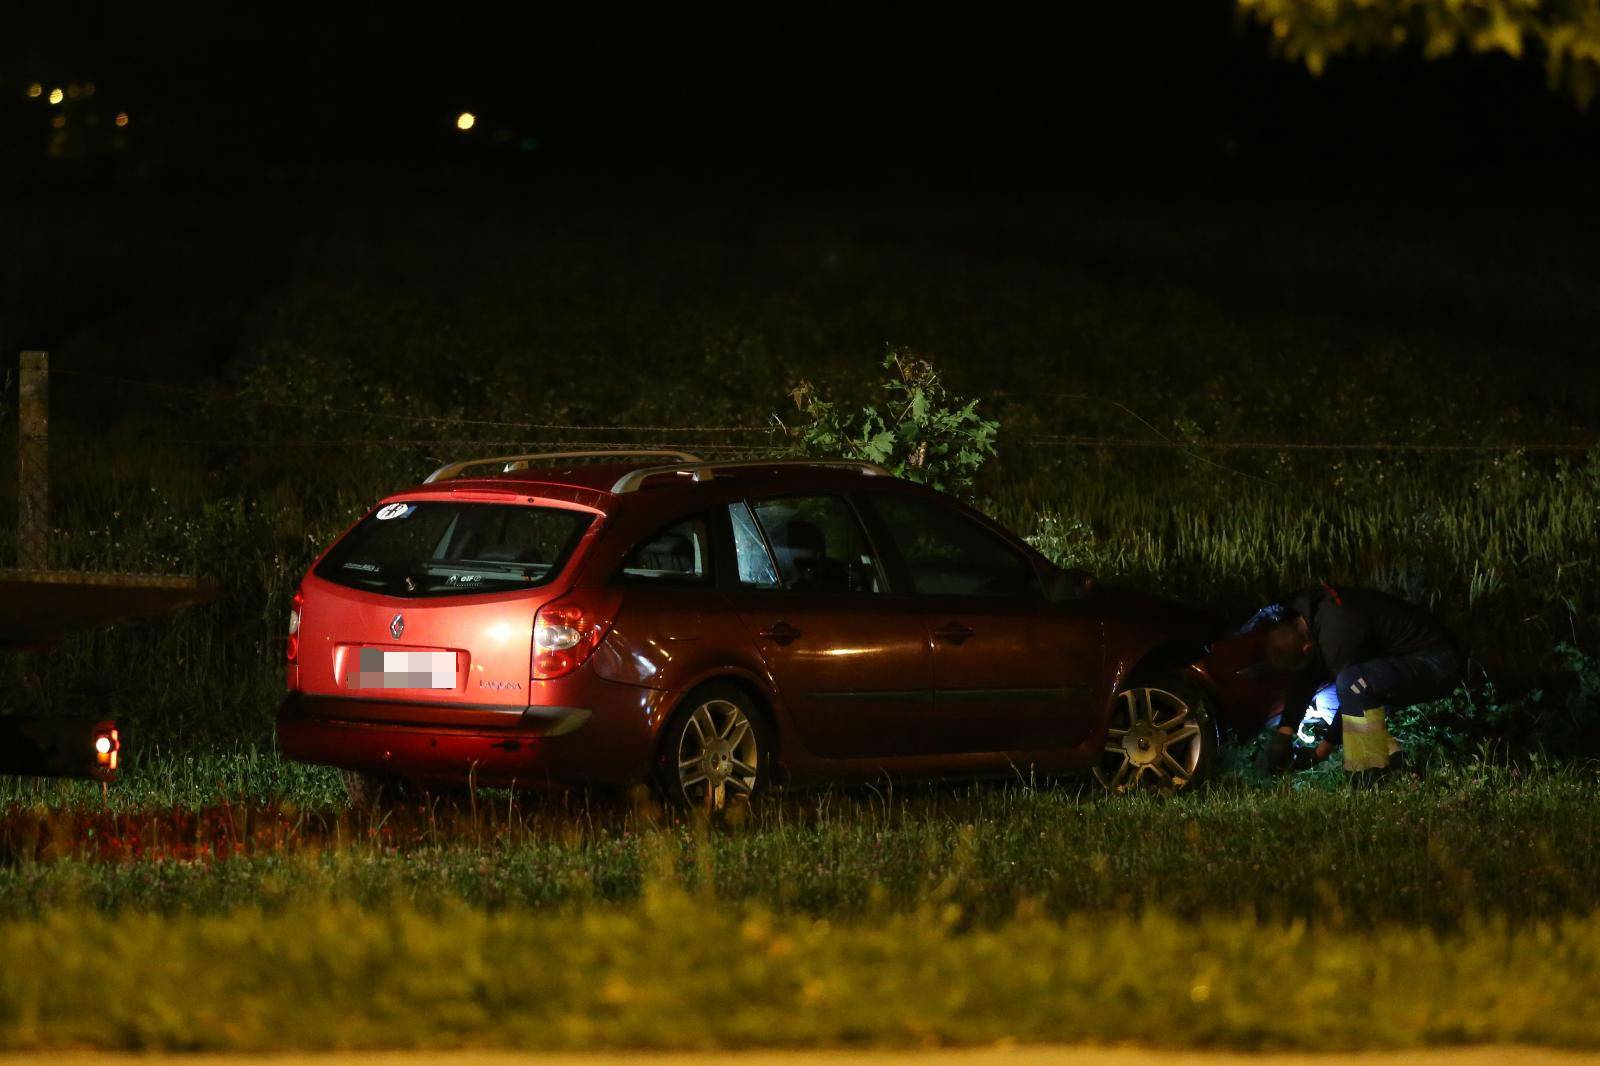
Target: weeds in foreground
1483	839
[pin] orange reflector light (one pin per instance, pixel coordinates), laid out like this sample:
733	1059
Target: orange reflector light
106	745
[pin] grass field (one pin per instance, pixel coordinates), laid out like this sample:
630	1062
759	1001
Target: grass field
1509	843
1461	907
235	435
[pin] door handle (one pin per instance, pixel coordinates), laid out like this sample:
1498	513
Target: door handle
954	632
779	633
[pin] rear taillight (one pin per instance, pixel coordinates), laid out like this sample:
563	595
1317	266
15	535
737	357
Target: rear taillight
567	631
294	625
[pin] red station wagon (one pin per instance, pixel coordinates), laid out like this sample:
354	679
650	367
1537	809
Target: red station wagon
716	628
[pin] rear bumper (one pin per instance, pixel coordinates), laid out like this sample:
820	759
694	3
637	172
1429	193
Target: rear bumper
533	746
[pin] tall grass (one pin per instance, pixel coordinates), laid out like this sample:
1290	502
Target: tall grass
1502	551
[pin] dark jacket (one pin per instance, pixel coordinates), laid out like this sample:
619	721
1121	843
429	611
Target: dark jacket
1356	625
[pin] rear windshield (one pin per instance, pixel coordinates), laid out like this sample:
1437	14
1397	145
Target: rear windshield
443	548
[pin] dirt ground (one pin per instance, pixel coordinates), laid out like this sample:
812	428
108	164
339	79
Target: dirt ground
1018	1056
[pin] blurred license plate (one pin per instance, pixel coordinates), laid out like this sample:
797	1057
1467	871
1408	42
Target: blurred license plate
377	668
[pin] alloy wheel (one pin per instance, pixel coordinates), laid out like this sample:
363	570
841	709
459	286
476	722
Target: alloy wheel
719	759
1154	742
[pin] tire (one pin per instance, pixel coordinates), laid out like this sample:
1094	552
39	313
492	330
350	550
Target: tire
1162	737
716	752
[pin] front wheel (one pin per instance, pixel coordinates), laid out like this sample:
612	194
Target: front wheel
715	753
1162	737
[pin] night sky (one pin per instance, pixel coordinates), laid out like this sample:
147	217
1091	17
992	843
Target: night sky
1163	97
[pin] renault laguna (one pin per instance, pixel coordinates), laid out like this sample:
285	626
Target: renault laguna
719	628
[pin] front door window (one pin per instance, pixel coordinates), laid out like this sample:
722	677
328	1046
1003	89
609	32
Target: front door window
948	554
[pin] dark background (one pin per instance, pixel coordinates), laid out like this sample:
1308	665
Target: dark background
254	130
1171	98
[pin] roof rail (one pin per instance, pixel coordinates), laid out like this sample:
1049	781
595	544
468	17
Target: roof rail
703	471
509	463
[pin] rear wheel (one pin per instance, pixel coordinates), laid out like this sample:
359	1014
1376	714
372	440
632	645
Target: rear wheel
716	752
1162	737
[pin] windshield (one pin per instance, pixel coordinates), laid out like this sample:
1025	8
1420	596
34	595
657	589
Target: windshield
444	548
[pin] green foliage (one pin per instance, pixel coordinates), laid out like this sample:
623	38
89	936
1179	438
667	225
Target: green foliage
1584	701
917	430
1470	720
1478	718
1565	32
1573	726
1067	542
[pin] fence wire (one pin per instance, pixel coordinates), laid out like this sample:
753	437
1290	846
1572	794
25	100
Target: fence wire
754	438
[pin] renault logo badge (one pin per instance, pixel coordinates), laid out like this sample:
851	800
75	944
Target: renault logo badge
397	627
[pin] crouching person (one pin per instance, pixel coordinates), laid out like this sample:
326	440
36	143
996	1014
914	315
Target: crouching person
1378	651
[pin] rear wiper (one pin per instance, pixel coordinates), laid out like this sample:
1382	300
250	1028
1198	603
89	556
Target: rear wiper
483	567
524	571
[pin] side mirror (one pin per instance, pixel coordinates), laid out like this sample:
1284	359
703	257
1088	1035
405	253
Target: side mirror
1069	586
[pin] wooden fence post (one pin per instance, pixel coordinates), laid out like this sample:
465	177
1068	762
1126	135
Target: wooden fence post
33	462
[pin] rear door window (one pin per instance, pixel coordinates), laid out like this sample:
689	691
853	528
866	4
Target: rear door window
677	553
818	545
750	551
949	554
445	548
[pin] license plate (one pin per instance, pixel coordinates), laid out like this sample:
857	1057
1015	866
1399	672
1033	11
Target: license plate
378	668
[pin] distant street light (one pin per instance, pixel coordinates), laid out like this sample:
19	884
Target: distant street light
56	96
466	120
122	118
35	90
